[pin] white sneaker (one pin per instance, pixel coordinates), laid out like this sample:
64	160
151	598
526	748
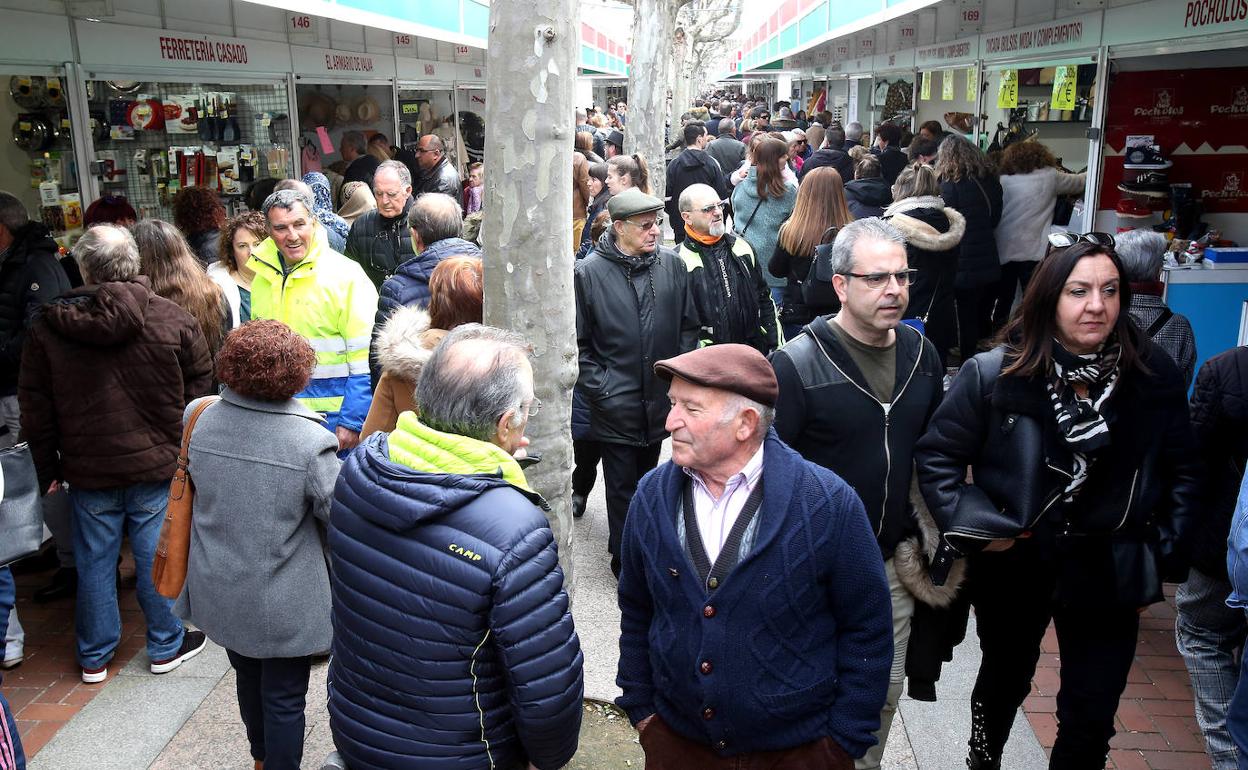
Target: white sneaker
94	676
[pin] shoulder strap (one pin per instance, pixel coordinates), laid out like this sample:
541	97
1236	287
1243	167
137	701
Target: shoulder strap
183	453
1162	320
751	219
981	192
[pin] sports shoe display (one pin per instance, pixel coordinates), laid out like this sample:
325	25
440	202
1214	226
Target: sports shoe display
1149	157
1150	184
193	643
1130	208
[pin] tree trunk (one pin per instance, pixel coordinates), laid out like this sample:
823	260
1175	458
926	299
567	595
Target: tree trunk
654	25
682	90
526	234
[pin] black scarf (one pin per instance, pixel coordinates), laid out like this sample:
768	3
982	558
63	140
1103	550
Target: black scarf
1081	420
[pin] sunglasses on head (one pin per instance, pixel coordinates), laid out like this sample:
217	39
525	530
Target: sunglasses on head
1064	240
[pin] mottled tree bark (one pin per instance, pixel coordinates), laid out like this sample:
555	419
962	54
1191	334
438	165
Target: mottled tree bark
526	234
654	25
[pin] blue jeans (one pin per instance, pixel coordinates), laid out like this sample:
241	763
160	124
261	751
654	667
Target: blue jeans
100	518
1209	634
11	754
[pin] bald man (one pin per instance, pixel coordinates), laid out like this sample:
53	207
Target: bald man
435	172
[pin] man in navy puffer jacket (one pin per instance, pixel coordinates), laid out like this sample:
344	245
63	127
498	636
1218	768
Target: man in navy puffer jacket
756	626
436	222
453	642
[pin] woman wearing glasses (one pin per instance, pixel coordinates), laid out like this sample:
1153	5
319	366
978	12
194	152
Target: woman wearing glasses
933	232
1076	433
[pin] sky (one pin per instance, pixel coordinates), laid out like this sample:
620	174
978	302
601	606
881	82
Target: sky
617	18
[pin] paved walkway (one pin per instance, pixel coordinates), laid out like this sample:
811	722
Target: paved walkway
189	720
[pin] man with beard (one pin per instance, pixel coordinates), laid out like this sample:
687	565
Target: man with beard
729	291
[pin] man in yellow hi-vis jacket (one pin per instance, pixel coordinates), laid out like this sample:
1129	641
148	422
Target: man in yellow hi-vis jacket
326	298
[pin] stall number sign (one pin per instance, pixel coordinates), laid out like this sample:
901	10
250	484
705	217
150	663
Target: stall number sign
301	26
1007	92
946	85
404	41
1064	82
972	85
925	90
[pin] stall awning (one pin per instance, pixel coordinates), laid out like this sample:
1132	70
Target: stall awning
465	22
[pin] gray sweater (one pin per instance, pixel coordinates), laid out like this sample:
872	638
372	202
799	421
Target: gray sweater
758	221
264	474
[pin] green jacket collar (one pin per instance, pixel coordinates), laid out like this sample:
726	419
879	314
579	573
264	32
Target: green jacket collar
421	448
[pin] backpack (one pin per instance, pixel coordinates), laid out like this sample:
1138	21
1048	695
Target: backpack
817	288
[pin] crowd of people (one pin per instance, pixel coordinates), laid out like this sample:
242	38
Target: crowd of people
815	542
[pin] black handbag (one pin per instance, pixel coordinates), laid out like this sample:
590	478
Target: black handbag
21	509
817	290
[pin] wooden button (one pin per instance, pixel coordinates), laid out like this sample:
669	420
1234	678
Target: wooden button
708	611
706	667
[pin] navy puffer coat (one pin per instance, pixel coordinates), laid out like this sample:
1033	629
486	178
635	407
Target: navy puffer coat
453	642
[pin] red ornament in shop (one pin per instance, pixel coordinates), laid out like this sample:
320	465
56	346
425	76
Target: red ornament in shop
1199	118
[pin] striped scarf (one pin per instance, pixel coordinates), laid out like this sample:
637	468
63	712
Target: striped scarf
1080	419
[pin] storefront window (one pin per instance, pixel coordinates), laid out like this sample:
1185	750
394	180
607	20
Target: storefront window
950	97
892	99
153	139
1051	104
38	164
327	111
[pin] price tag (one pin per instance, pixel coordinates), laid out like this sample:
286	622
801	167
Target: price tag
1007	91
925	89
302	27
23	125
404	41
972	86
946	86
1064	86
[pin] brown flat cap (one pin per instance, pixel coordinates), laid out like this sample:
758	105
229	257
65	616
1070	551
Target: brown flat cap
735	368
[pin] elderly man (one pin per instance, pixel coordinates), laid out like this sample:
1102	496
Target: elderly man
437	173
106	371
853	136
754	612
434	223
729	292
856	393
1143	253
353	148
324	297
694	166
614	144
453	642
726	149
378	238
633	307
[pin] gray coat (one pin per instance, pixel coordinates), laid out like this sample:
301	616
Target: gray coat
264	474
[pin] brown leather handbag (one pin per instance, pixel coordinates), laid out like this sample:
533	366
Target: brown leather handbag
173	550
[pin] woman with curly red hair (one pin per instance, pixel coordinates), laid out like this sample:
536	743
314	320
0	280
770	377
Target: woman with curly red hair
198	213
257	584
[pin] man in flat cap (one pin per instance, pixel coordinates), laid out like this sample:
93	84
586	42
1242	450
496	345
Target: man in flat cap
633	308
856	392
754	610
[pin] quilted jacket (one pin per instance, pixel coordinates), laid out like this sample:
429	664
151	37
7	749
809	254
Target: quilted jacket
453	642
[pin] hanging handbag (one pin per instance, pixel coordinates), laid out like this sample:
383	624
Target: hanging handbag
21	509
173	550
817	291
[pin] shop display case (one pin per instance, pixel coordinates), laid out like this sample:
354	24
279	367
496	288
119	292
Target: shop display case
38	165
328	110
151	139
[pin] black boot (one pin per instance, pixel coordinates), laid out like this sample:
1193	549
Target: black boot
64	583
975	762
578	506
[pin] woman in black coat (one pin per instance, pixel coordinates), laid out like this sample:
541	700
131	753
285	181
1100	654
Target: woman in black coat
1077	435
933	232
969	184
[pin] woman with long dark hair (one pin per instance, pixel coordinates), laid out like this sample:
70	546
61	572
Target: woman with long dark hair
176	275
199	215
820	205
1077	436
762	203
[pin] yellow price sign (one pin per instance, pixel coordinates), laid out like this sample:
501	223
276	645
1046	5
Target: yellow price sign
1007	91
925	90
1065	81
946	86
972	85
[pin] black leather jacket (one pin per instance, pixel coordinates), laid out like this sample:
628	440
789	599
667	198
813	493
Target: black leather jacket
630	313
1140	489
380	244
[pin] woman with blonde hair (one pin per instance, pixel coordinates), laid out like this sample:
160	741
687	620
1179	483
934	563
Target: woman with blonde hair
820	206
176	274
933	232
625	171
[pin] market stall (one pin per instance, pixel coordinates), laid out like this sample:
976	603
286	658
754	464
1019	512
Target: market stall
949	86
893	90
169	111
337	92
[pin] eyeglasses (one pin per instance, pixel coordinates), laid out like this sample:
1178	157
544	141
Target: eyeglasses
422	150
534	407
880	280
1064	240
657	222
711	207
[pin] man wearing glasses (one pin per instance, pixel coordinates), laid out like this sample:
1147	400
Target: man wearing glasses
694	165
633	308
435	172
378	238
856	392
731	296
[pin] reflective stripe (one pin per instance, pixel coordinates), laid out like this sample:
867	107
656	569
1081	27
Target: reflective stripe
327	405
359	343
329	345
358	367
327	371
